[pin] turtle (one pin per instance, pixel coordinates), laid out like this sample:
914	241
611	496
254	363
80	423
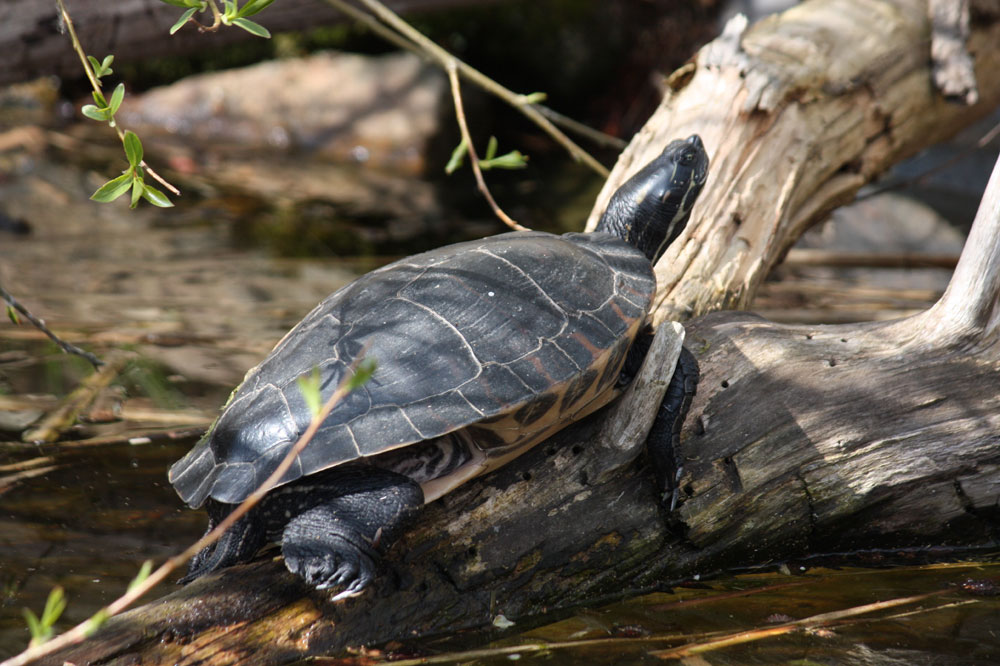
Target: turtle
483	349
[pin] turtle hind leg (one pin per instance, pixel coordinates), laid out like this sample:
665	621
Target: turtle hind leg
664	436
355	513
237	545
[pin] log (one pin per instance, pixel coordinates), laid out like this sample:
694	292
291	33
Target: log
800	440
798	112
34	45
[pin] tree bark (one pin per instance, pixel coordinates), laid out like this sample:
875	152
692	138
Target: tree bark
800	440
34	45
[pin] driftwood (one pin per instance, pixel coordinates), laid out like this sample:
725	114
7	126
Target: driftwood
798	112
801	439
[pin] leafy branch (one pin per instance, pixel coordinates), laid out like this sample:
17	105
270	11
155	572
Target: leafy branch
384	22
387	24
477	166
104	110
231	14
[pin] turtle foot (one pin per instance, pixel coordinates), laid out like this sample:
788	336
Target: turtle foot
343	519
332	561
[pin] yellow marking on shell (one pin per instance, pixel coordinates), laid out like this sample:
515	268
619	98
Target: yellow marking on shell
517	438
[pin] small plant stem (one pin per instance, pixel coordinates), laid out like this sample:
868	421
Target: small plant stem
216	18
596	136
84	629
68	22
159	178
456	95
40	325
417	40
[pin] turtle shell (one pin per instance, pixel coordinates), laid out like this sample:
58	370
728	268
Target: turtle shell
515	335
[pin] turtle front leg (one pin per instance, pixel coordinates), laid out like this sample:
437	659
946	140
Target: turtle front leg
354	514
664	436
238	544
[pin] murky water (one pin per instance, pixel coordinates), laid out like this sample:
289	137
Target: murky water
952	627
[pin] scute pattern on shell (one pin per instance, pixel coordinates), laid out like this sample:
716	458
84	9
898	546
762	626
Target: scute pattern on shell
465	334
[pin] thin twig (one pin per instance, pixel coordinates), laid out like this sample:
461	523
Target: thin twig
159	178
68	22
596	136
415	40
811	622
456	95
135	592
40	325
965	153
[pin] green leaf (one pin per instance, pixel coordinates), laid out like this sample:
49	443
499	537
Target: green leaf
94	113
41	627
102	68
457	157
140	577
137	187
156	197
512	160
96	621
13	316
253	6
309	388
133	148
99	99
54	606
34	627
116	98
491	149
533	98
185	17
252	28
363	373
114	188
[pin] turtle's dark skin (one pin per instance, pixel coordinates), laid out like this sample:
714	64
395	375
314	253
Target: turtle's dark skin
484	349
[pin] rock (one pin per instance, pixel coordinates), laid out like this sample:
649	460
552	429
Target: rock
380	111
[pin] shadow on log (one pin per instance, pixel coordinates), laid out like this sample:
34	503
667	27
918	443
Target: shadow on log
801	439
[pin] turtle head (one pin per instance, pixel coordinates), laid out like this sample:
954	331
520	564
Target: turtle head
651	209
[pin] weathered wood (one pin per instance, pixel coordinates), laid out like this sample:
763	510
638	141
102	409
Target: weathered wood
33	45
954	72
801	439
797	112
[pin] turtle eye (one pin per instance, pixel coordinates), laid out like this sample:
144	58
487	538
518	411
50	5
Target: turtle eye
687	157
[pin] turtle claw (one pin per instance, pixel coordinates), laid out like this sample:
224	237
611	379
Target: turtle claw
335	563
